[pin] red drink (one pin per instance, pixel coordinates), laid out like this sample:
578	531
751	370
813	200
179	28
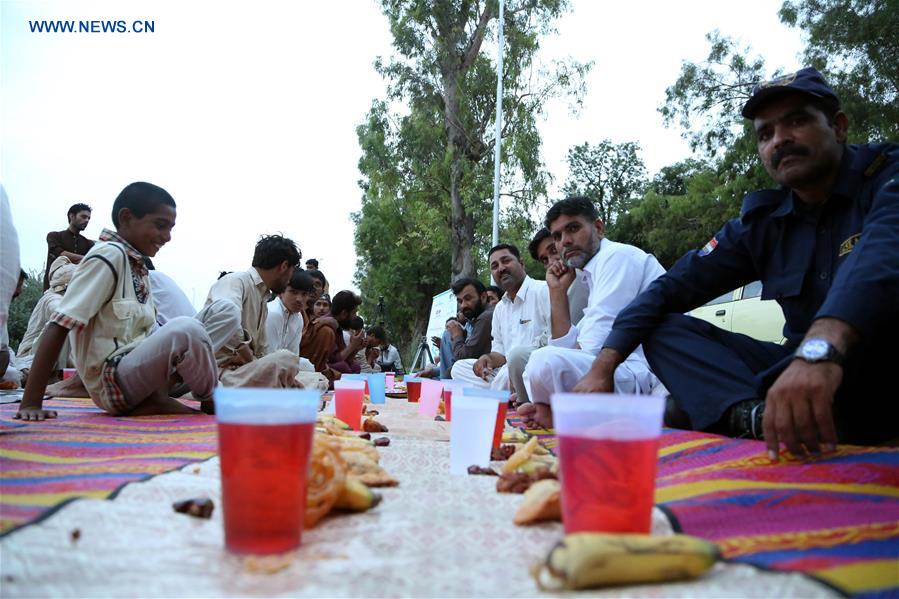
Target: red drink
413	391
447	404
607	485
264	484
348	406
500	423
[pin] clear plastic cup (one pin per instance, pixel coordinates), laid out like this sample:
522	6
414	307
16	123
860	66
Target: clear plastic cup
348	402
356	377
68	373
472	431
501	399
429	402
608	450
265	439
390	381
449	388
377	387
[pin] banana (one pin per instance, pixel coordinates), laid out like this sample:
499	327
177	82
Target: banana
589	560
514	436
356	497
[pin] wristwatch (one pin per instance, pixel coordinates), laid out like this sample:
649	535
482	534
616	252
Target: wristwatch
816	350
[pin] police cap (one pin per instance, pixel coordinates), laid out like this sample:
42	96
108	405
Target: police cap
806	81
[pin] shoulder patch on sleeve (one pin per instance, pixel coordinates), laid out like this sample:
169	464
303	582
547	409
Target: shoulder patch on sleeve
709	247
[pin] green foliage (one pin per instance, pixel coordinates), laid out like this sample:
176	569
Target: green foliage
21	307
612	175
670	225
427	172
855	43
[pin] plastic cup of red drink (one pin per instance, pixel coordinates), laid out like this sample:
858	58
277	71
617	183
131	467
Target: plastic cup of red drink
413	389
348	402
265	440
608	450
500	399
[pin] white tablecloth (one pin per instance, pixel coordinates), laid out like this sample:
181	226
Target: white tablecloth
436	535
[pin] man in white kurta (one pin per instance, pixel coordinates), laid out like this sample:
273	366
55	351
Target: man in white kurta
520	325
614	273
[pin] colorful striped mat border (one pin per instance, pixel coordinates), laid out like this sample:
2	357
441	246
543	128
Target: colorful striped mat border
87	453
835	518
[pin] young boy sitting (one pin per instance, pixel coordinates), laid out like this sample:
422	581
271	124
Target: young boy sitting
109	309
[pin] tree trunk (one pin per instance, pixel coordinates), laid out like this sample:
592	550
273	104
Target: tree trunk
462	225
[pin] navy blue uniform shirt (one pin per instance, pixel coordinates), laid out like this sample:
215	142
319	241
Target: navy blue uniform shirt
838	260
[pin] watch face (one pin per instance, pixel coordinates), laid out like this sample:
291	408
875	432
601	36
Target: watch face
814	349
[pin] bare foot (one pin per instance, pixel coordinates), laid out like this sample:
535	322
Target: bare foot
70	387
161	404
543	417
527	411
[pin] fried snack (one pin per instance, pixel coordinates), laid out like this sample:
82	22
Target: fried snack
370	425
345	445
542	502
362	468
522	455
326	477
538	449
519	482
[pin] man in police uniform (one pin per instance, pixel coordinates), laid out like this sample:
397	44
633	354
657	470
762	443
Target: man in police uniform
826	247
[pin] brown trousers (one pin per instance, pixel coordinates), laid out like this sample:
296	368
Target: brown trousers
317	344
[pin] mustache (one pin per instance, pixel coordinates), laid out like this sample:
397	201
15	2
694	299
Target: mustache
790	150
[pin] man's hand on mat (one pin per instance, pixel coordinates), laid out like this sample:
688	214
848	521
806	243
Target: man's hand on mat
799	409
601	376
33	414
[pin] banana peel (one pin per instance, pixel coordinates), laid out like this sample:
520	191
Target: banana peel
514	436
356	497
592	560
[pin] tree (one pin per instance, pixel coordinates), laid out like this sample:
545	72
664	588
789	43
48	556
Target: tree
855	43
440	64
21	307
427	172
612	175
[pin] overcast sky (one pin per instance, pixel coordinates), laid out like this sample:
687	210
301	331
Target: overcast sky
246	112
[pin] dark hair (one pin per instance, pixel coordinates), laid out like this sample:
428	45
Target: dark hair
504	246
829	106
141	199
534	245
272	250
497	290
317	274
572	206
313	262
357	323
461	284
301	281
345	301
225	272
76	208
378	333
